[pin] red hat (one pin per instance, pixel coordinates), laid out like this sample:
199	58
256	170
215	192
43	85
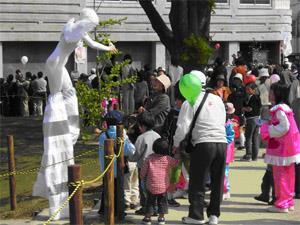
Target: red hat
249	79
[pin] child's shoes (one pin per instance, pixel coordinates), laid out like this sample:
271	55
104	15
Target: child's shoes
146	221
226	196
292	208
161	221
277	210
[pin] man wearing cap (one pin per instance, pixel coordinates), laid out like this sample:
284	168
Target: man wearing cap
208	155
286	75
264	89
159	102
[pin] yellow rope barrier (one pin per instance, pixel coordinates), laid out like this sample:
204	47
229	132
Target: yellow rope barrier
34	170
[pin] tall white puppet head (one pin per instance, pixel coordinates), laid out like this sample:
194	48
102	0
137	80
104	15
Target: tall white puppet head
90	16
74	30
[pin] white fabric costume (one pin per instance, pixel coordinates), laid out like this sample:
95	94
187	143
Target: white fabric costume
61	118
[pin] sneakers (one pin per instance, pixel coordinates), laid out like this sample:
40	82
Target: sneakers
246	158
213	220
292	208
226	196
161	221
261	199
277	210
189	220
173	203
146	221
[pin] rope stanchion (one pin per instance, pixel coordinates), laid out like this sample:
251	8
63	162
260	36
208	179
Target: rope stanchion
75	203
109	197
77	185
63	205
120	175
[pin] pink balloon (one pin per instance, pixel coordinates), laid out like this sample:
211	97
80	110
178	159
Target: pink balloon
217	46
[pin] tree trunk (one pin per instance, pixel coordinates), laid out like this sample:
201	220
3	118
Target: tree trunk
186	17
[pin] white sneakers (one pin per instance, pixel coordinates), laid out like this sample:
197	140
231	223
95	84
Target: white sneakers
292	208
277	210
189	220
213	220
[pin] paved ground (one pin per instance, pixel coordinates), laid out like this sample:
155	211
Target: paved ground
241	208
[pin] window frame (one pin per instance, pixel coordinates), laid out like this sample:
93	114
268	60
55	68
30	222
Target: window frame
256	4
223	3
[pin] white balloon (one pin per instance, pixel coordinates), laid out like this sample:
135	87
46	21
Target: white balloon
24	60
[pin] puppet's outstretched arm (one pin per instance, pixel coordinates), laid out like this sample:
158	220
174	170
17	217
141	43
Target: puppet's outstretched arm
93	44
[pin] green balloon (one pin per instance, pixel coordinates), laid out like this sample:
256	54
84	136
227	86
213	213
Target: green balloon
190	87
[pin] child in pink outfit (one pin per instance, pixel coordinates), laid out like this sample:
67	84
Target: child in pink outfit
283	149
155	172
230	147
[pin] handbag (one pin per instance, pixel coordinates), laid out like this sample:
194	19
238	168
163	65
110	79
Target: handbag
186	145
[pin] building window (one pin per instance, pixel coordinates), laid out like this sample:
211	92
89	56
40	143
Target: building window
222	1
256	2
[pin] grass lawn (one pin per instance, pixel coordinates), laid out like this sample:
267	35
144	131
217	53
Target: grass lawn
28	153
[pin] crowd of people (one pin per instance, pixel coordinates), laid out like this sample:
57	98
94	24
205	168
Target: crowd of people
254	104
23	95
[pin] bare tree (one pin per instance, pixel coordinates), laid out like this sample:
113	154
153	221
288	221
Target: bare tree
187	40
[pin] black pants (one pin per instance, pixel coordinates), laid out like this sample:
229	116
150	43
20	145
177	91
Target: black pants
205	158
297	180
160	200
252	139
143	193
267	184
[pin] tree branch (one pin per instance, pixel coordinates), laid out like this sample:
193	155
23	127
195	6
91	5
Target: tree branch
158	24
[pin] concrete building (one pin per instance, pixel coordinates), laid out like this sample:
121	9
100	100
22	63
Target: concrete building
32	28
295	6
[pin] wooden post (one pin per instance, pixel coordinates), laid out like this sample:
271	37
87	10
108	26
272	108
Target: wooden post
109	198
12	168
120	176
75	204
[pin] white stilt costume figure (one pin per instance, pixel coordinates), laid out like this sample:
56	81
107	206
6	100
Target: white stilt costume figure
61	118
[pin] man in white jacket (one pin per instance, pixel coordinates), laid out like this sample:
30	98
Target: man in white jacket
207	156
